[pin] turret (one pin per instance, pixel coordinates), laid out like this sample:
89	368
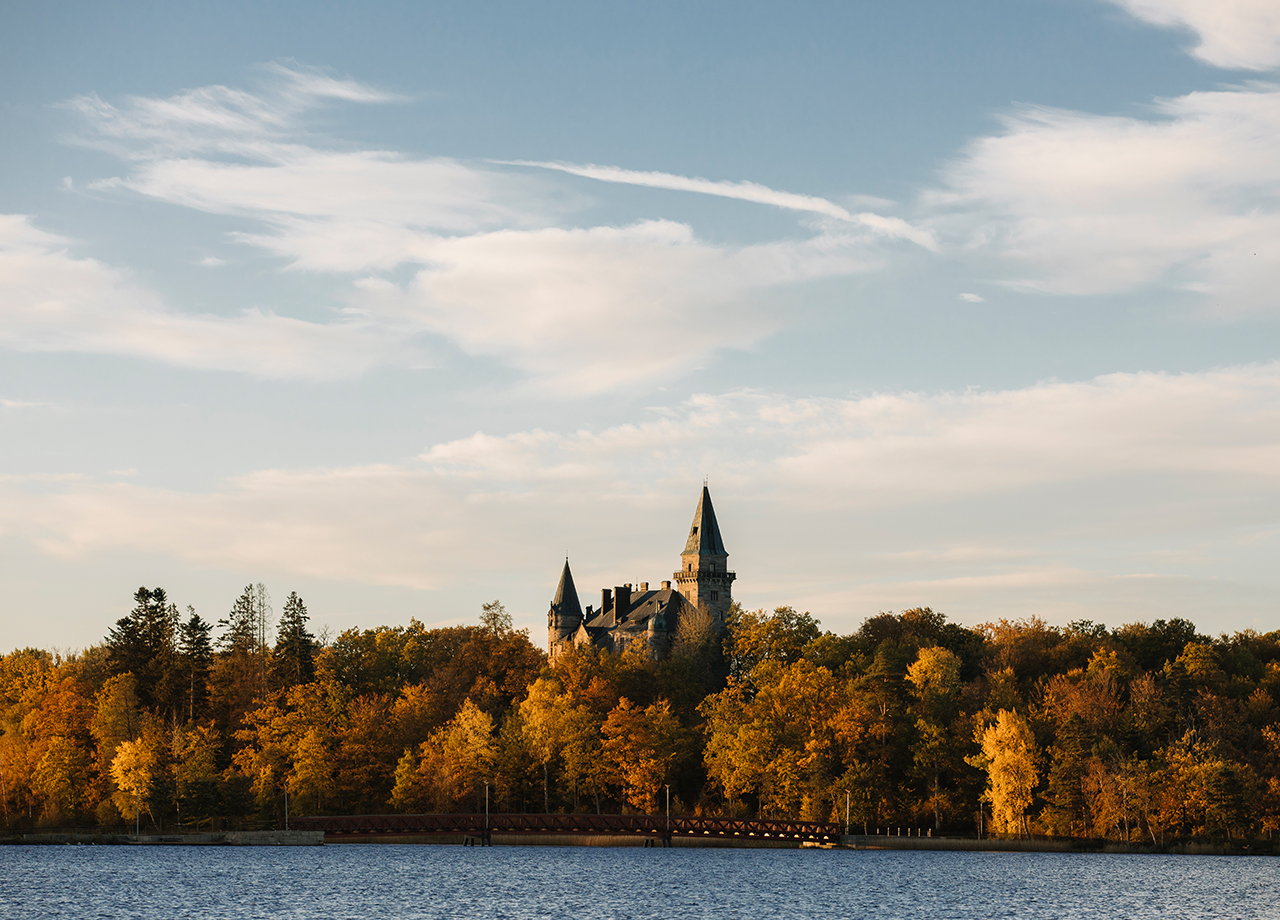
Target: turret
565	615
704	578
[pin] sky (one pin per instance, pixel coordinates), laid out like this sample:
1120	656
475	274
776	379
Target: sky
969	306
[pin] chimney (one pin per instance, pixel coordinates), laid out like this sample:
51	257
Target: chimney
666	586
644	586
622	604
606	600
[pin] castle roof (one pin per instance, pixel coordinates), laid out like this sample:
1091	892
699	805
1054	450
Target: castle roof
566	599
643	605
704	535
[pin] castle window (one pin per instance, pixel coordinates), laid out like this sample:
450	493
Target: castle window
715	595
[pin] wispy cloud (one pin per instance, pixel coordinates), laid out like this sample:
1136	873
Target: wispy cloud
302	85
1236	34
51	301
497	272
584	311
916	448
217	119
892	227
953	499
232	151
1082	204
341	212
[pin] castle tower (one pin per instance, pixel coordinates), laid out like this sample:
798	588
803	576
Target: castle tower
704	579
565	615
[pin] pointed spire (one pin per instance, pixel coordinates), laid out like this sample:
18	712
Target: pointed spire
566	600
704	535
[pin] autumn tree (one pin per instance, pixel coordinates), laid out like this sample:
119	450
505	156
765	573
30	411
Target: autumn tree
777	743
644	747
1010	758
1088	751
62	777
450	767
311	719
134	777
543	716
452	664
364	754
586	771
495	619
196	774
117	717
935	680
515	767
870	726
755	637
311	780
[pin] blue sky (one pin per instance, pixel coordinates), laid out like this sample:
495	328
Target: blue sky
962	305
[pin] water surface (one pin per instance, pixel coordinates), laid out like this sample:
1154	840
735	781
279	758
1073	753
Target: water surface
380	881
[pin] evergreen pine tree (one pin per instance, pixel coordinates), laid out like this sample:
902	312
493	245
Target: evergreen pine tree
293	662
125	649
195	650
240	628
244	638
144	644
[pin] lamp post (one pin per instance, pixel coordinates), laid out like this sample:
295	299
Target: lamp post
286	804
846	812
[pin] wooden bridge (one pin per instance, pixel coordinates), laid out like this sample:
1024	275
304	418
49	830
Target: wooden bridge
480	826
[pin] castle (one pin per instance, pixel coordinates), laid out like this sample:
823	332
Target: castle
629	616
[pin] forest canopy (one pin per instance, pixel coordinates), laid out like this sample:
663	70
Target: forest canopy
1148	732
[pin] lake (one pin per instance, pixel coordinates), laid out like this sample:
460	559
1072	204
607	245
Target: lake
384	881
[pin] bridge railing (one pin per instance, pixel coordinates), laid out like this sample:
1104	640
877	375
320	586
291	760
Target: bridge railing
653	825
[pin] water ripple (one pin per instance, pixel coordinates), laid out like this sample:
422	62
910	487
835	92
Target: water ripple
584	883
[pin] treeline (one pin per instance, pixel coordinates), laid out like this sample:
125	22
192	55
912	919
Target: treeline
1142	733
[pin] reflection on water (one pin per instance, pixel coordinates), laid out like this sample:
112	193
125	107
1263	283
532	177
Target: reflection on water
587	882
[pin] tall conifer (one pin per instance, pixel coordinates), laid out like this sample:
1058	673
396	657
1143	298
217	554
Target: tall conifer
195	650
294	658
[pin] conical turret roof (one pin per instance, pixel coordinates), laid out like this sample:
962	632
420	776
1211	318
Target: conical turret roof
566	599
704	535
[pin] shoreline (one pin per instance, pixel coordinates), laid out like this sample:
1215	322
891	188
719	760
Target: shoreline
1052	845
220	839
843	842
